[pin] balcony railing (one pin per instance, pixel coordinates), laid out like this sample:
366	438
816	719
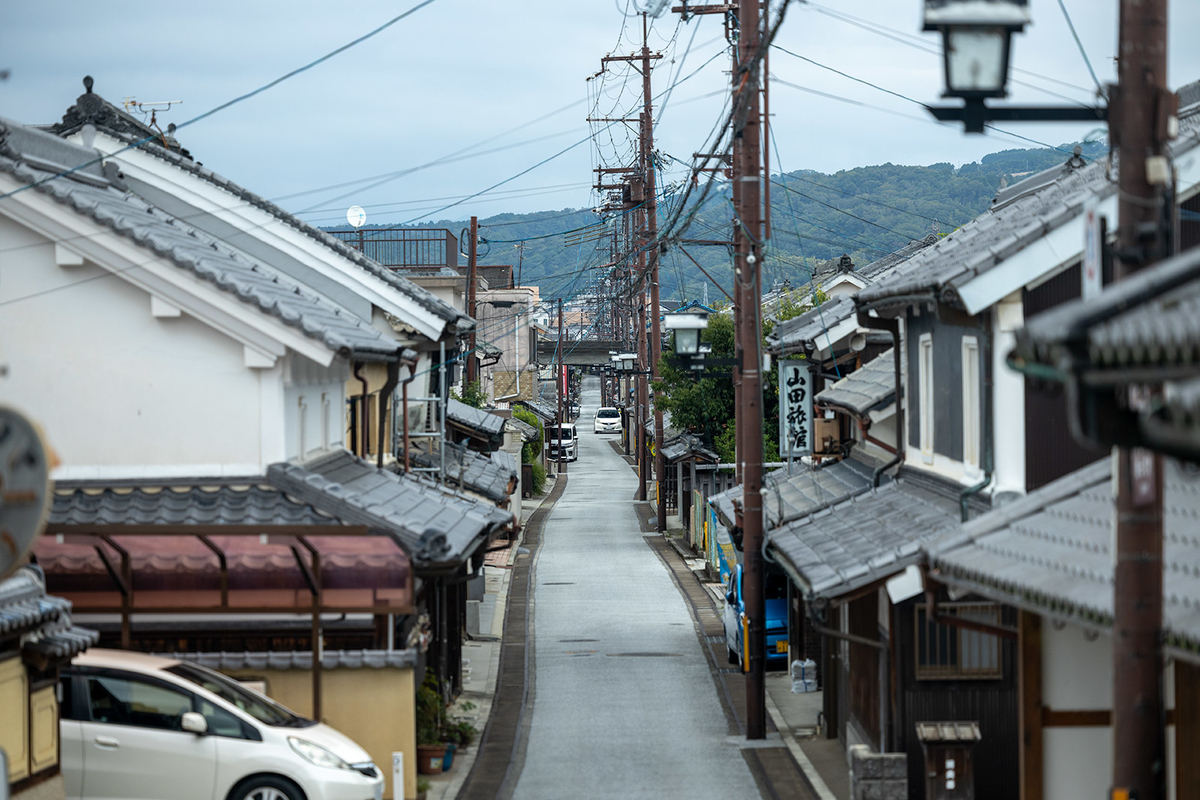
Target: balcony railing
404	248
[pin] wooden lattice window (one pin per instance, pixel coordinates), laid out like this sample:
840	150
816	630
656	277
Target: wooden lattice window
948	652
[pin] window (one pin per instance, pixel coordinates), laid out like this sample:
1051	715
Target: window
122	701
971	406
947	652
263	709
925	381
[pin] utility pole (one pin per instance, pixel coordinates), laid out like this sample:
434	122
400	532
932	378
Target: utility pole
1141	109
747	177
472	268
558	379
640	420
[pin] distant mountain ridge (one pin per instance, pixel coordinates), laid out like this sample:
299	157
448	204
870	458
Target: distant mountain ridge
865	212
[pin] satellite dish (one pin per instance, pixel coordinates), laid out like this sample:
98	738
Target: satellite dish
356	216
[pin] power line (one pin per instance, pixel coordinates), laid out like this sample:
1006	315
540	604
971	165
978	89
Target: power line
236	100
1079	44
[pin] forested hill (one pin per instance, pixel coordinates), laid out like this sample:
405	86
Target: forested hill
866	212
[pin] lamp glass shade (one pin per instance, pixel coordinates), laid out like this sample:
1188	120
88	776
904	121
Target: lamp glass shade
976	61
628	364
687	341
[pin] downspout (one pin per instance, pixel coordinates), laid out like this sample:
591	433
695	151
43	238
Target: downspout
412	373
864	425
986	356
892	326
387	395
366	405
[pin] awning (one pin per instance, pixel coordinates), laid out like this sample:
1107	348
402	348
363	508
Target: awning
807	490
869	389
1050	552
860	540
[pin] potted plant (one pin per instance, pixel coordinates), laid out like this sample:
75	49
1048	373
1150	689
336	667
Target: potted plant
431	718
423	785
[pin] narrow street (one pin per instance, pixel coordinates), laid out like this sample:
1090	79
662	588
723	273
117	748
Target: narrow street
623	700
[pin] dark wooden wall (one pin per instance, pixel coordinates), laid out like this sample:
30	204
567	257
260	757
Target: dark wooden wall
992	703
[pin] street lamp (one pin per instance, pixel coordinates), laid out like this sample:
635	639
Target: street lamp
976	45
687	327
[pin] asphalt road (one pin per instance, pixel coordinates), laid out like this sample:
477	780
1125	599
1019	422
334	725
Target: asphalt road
624	703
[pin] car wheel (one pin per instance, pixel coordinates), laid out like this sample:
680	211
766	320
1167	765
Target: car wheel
266	787
733	657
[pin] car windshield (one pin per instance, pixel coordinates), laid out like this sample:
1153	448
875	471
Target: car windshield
261	708
608	413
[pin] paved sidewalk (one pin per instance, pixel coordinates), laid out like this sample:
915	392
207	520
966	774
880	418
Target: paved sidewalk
481	656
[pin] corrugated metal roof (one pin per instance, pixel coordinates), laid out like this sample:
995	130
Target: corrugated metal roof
1051	552
301	659
434	526
867	537
112	121
869	388
251	282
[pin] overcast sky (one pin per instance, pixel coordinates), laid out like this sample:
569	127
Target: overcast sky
461	74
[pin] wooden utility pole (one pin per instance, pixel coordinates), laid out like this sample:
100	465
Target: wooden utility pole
558	379
747	235
472	269
1142	110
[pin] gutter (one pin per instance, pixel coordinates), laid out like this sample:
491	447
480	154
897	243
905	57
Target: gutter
891	326
364	427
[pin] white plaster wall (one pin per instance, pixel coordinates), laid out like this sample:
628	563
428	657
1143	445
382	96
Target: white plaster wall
1008	397
1078	763
1076	673
314	401
119	392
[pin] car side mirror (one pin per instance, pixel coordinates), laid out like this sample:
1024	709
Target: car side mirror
193	722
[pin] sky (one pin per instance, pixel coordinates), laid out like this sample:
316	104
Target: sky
488	90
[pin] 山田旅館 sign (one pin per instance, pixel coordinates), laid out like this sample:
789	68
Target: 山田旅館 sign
795	409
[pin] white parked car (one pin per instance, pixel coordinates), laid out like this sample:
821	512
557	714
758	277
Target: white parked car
608	420
140	727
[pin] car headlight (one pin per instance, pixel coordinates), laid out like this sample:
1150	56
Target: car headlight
315	754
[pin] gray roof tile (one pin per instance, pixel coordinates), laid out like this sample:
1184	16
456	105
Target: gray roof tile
807	490
188	248
248	504
91	108
527	432
490	426
869	388
43	622
485	475
301	659
866	537
1020	215
685	445
1050	551
434	526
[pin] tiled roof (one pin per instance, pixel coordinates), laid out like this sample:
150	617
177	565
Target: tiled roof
544	410
787	497
867	389
182	504
1149	319
91	108
862	539
723	502
797	332
30	155
301	659
489	426
472	471
1019	216
42	622
435	527
527	432
1051	552
685	445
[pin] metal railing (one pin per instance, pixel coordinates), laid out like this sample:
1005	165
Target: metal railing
404	248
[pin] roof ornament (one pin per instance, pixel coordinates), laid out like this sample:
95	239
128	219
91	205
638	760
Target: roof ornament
1076	160
845	263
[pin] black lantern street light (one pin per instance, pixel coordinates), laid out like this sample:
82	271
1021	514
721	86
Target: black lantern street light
976	45
687	327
